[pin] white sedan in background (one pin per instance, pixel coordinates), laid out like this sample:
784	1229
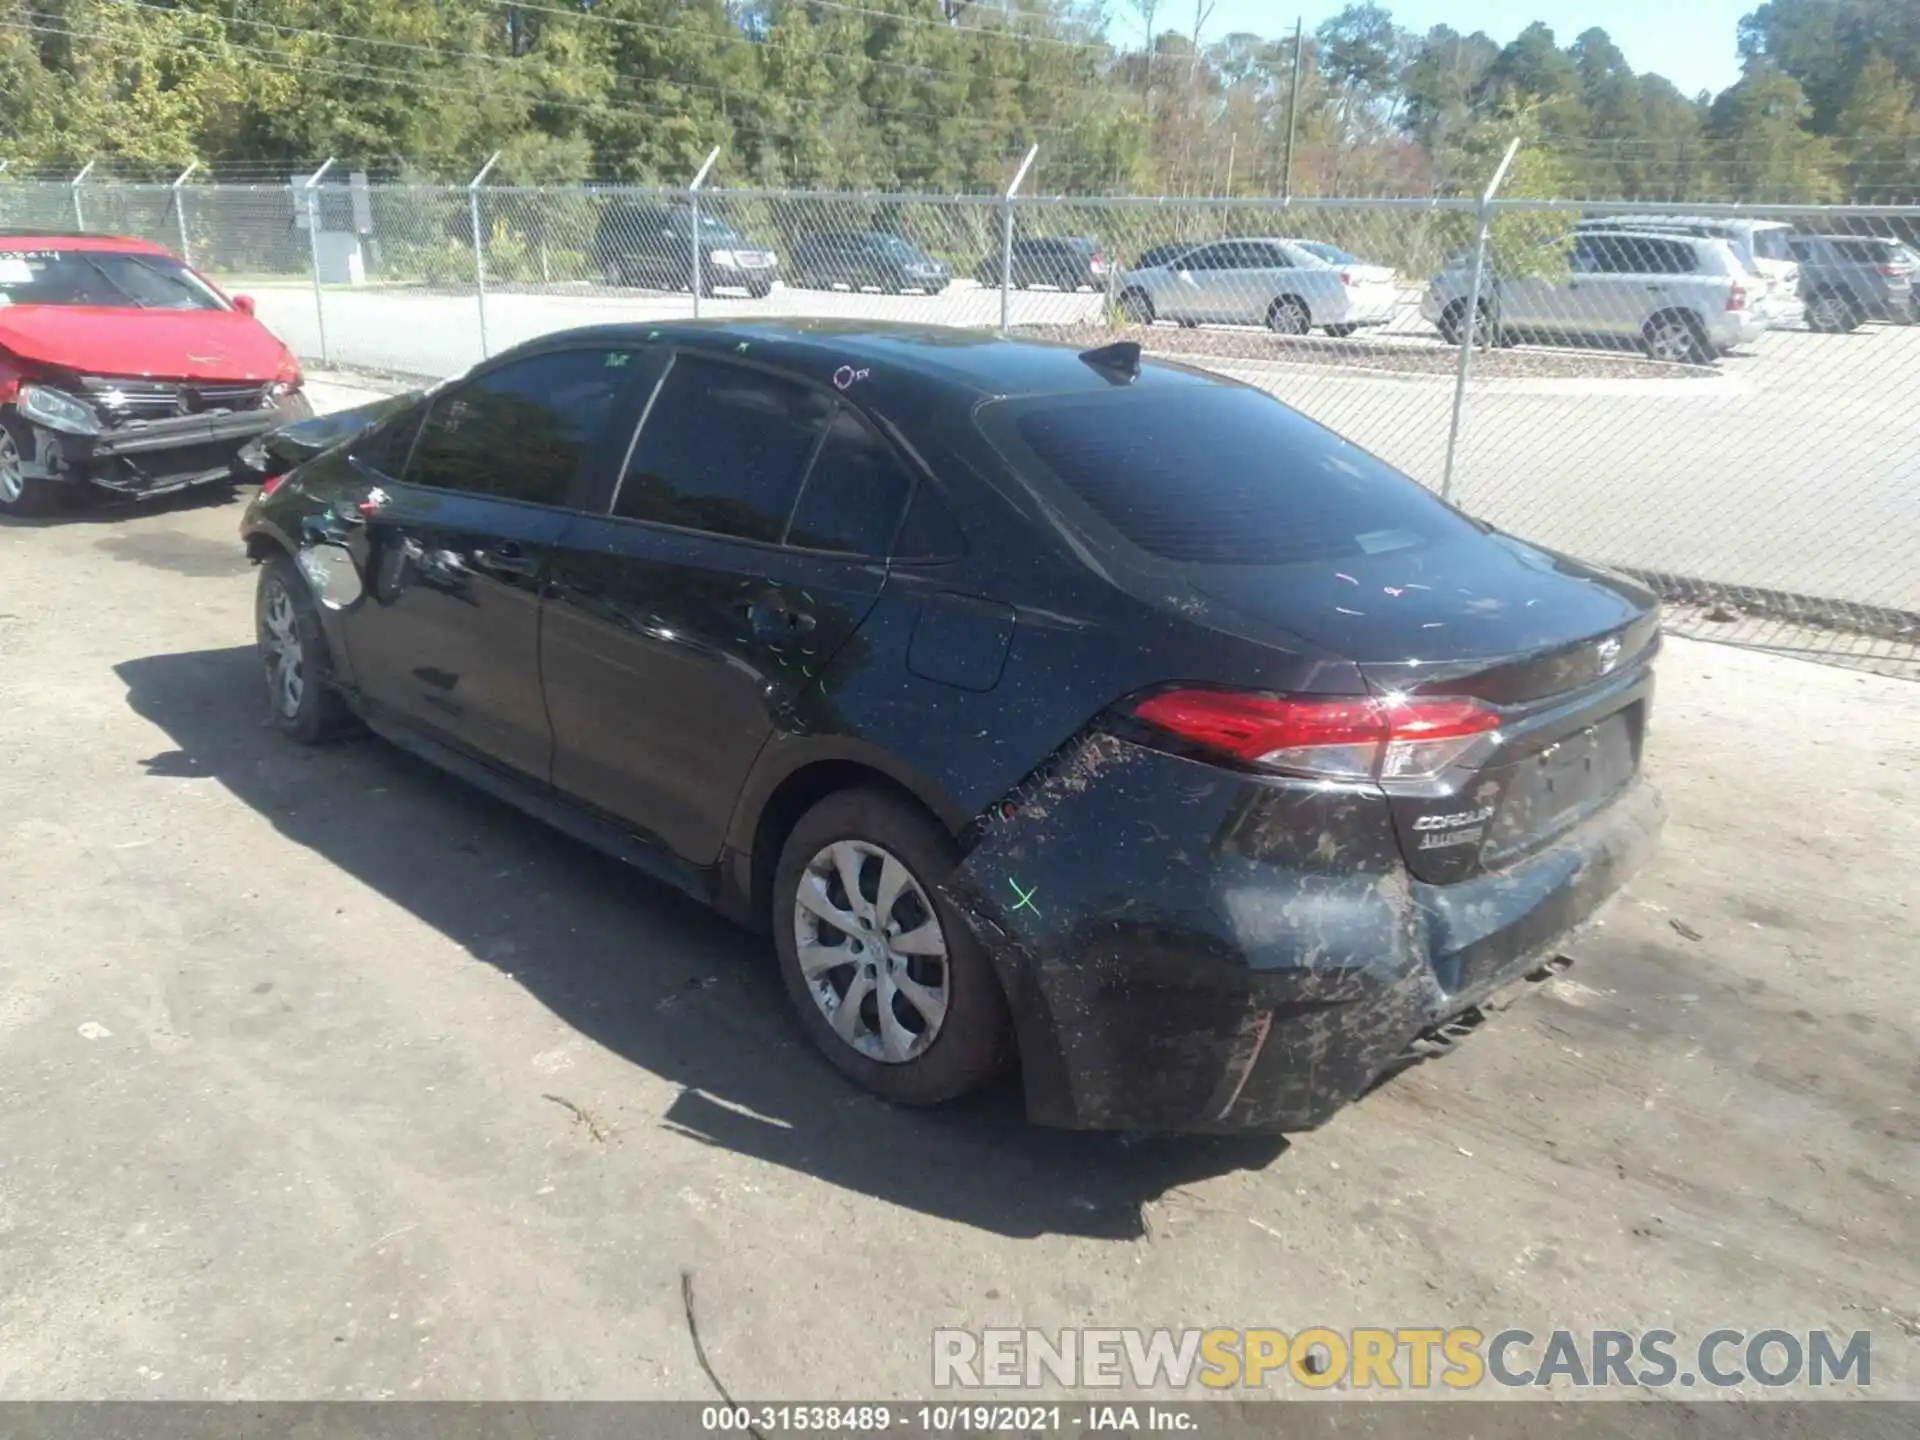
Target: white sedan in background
1289	286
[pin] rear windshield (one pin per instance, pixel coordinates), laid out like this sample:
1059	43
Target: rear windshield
1871	250
1772	245
111	278
1222	476
1332	254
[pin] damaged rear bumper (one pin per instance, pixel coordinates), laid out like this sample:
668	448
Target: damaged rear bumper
164	455
1186	948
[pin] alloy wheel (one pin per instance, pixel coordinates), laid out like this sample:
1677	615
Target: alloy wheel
1671	341
1286	317
281	651
1829	313
13	472
872	951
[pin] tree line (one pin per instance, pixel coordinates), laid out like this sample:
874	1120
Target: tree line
945	95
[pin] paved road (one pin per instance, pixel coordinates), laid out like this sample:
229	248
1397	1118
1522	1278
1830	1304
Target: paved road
281	1033
1798	471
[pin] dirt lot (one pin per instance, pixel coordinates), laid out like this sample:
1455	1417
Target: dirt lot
326	1077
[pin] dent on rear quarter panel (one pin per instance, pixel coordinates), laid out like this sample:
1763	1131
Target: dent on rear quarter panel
1152	918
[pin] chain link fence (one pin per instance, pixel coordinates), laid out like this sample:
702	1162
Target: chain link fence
1726	402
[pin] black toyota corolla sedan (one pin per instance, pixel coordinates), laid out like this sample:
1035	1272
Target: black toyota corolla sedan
1053	708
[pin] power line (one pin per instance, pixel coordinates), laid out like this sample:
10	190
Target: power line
831	105
716	41
369	72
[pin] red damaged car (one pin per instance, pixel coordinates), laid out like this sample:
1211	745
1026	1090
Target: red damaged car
123	370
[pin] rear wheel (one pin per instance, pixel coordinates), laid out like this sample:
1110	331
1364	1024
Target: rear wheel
1834	312
760	289
1677	339
1341	332
293	652
888	981
1288	316
1453	322
22	494
1136	307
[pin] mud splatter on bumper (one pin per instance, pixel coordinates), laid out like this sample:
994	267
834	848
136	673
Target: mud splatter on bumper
1187	948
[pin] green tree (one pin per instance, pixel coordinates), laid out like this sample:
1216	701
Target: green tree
1764	149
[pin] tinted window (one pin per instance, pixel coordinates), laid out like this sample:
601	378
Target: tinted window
1227	477
854	492
1332	254
385	448
106	278
722	450
520	432
1771	245
1873	252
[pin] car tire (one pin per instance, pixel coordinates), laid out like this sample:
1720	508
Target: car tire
1289	316
1677	338
1452	325
1136	307
293	652
1341	332
1833	312
22	495
759	292
971	1040
1188	324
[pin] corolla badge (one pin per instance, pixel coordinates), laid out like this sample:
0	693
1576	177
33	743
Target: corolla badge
1607	652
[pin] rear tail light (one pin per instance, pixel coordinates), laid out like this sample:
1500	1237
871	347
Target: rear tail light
1333	738
1894	270
1737	298
272	483
1346	277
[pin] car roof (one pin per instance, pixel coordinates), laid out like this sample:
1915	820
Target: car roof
977	362
1627	232
77	240
1732	222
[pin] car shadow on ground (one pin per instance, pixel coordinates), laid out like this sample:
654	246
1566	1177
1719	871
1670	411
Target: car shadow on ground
652	976
103	507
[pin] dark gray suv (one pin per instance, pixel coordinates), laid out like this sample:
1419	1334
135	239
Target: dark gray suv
1848	280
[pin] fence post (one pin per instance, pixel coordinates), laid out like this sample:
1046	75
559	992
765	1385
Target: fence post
1006	237
311	194
79	214
180	210
693	208
480	247
1470	321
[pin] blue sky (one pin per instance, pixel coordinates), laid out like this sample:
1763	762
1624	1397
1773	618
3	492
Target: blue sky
1691	42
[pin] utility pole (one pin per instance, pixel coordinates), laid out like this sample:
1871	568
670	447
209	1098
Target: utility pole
1293	107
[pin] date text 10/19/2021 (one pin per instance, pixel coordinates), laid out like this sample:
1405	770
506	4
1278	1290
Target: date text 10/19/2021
943	1419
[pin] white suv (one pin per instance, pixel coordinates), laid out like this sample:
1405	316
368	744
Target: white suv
1760	245
1682	298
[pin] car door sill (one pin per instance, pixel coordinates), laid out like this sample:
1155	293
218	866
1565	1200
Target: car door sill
553	809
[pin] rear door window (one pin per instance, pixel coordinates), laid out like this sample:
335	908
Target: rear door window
722	450
521	432
1219	476
1869	252
386	447
855	492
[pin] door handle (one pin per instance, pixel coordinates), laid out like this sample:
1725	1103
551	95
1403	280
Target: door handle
506	559
776	621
